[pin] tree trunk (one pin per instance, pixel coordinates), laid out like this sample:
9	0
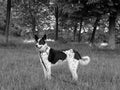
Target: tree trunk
33	26
94	30
74	33
8	19
79	35
56	16
33	17
111	41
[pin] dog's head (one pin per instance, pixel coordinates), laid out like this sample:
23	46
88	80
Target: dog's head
40	43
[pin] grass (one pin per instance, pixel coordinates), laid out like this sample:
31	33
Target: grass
20	69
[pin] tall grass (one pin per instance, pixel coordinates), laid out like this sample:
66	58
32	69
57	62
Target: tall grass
20	69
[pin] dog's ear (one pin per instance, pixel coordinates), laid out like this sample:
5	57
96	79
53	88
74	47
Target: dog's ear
36	38
44	37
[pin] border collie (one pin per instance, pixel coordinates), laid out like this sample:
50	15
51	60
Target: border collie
50	57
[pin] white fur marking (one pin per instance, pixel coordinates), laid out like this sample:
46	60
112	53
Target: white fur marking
85	60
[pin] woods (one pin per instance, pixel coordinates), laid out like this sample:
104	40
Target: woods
77	17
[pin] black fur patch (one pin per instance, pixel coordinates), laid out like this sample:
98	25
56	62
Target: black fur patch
41	42
56	55
77	55
36	38
64	49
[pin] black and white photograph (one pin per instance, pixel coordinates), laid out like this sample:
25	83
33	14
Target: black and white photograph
59	44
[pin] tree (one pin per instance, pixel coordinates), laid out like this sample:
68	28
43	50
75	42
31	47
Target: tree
8	19
33	14
2	16
111	7
90	9
56	7
56	19
94	30
79	10
80	27
112	19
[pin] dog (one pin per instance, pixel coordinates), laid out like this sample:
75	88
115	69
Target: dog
50	57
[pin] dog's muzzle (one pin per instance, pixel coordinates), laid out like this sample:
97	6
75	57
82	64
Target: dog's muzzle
39	47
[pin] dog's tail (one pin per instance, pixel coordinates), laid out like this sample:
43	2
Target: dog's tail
82	60
85	60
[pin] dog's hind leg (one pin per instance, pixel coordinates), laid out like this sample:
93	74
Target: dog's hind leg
73	65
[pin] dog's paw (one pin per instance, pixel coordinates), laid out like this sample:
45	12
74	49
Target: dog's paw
49	77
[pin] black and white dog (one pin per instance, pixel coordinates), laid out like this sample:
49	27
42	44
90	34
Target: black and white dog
50	57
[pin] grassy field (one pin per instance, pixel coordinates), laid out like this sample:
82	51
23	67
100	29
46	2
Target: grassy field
20	69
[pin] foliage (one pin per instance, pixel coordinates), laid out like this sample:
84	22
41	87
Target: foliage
2	16
28	14
30	9
25	12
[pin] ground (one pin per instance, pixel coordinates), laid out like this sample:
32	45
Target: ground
20	68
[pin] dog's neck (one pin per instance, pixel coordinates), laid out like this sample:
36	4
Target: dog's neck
46	50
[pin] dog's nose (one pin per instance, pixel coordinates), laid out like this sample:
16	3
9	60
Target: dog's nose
36	45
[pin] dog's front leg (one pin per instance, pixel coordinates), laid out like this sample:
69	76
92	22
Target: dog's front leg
49	71
44	69
45	72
